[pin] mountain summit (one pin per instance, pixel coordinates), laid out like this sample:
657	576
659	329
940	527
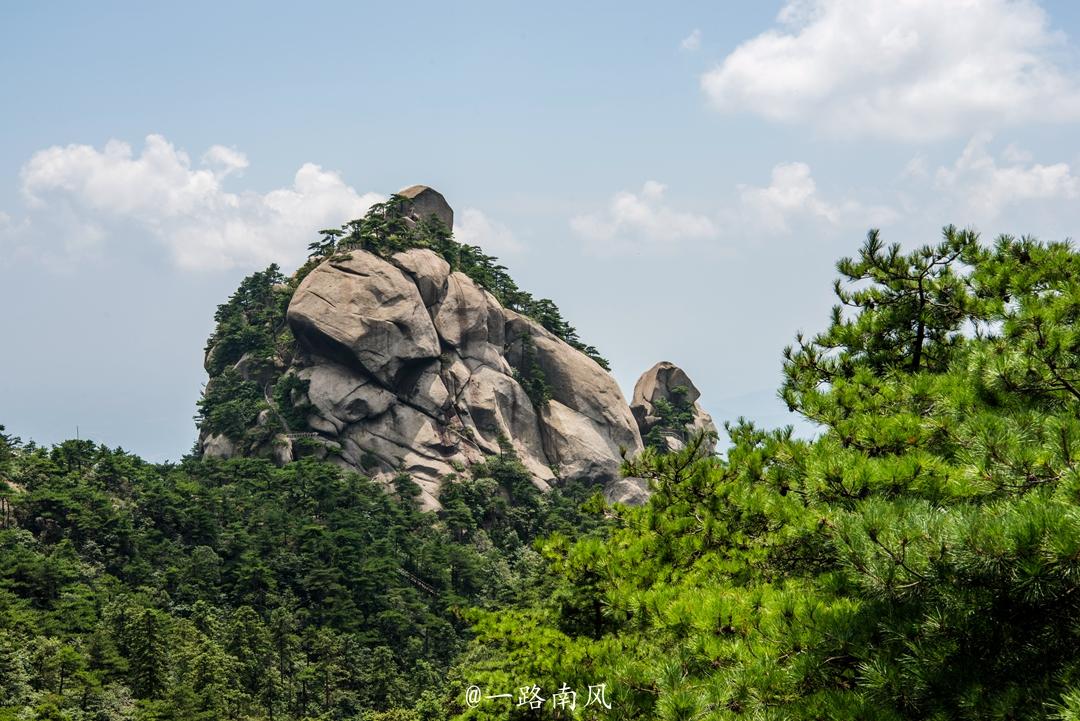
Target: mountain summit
400	350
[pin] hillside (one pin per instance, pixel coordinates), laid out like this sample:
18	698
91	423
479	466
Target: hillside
221	589
314	556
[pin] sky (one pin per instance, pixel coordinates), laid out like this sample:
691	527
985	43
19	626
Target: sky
680	178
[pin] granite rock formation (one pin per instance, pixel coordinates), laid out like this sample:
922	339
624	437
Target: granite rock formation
407	366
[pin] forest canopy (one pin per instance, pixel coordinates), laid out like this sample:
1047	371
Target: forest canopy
918	559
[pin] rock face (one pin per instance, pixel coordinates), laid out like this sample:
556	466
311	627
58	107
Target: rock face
407	366
423	201
410	367
413	368
661	382
363	311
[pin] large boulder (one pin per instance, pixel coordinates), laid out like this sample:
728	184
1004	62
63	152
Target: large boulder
629	491
342	395
413	368
363	311
422	201
578	447
218	446
404	440
577	381
461	317
427	270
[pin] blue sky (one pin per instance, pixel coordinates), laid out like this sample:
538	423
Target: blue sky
680	179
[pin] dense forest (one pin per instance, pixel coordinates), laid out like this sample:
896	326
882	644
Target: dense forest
236	589
917	559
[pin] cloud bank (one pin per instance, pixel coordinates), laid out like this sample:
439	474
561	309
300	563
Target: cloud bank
645	222
985	186
161	193
641	221
911	70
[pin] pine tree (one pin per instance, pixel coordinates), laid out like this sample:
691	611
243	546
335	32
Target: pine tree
148	653
918	559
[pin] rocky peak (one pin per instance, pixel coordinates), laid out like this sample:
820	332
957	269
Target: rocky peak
399	363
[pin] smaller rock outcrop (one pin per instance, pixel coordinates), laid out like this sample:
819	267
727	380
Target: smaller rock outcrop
666	408
422	201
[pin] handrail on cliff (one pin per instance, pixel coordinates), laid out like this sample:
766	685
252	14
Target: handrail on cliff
417	582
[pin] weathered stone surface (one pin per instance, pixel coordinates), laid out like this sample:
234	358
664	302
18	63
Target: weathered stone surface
436	415
364	311
413	368
579	447
342	395
429	394
282	449
462	315
628	491
576	381
659	382
423	201
427	270
499	408
403	440
218	446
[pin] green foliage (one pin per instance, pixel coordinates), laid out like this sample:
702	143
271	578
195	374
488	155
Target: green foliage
245	357
8	446
235	589
249	322
908	311
917	560
230	404
288	388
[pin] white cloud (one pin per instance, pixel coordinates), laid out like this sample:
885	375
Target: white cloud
644	222
692	41
792	194
159	192
791	190
473	227
56	236
913	70
641	221
225	160
986	185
